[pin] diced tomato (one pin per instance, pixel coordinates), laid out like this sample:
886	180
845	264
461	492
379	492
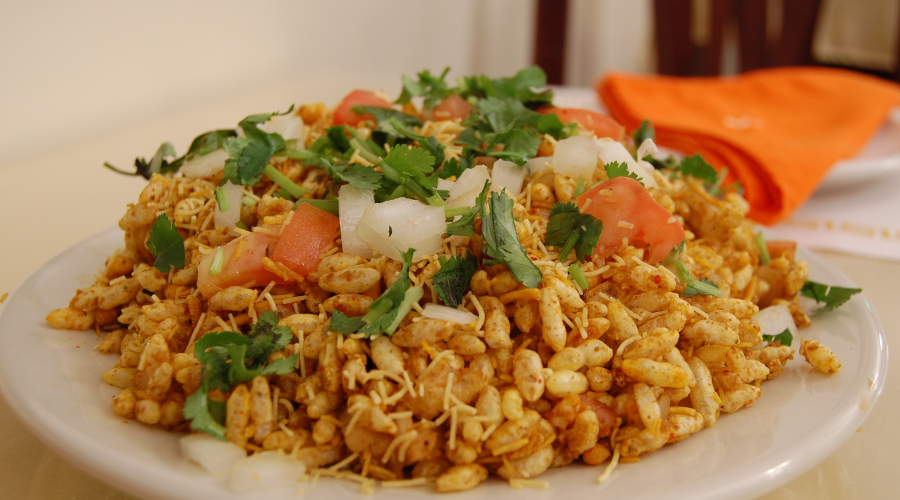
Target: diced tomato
303	240
624	200
600	124
344	115
451	108
238	271
606	417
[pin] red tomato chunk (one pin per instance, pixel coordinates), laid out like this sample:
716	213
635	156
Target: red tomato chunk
451	108
311	230
238	271
344	115
643	220
598	123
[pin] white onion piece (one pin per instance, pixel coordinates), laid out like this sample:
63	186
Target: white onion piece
352	202
398	225
437	311
774	319
288	127
468	187
263	471
576	157
648	147
611	151
210	453
507	174
539	164
445	185
206	165
234	194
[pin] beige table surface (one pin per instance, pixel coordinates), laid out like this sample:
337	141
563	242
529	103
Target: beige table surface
56	199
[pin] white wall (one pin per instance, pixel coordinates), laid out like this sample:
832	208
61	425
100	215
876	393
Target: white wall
76	70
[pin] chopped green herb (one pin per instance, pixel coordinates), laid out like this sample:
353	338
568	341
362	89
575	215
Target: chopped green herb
501	242
692	286
215	267
283	182
406	167
249	155
832	296
764	257
569	229
229	358
696	166
644	132
203	144
221	199
615	169
578	275
695	288
166	244
248	201
386	312
784	337
433	88
242	225
454	277
465	226
355	174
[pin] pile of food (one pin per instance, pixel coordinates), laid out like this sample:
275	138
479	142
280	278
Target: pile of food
464	282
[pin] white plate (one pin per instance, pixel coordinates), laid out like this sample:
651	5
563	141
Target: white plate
878	159
51	379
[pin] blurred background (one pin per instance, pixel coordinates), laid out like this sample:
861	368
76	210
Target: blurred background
72	71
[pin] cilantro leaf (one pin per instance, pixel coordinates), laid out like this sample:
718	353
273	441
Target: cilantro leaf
342	323
249	155
551	124
406	168
644	132
465	226
355	174
454	167
615	169
832	296
229	358
696	166
454	277
203	144
198	408
166	244
569	228
339	138
429	143
386	312
521	86
519	146
784	337
433	88
501	242
504	115
384	130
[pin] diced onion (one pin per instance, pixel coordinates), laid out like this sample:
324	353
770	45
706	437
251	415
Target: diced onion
437	311
445	185
506	174
467	188
611	151
265	470
774	320
539	164
206	165
351	204
210	453
576	157
234	194
398	225
288	127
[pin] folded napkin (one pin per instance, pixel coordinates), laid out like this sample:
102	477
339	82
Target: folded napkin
776	130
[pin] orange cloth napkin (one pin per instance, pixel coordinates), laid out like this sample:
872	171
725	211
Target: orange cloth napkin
777	130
